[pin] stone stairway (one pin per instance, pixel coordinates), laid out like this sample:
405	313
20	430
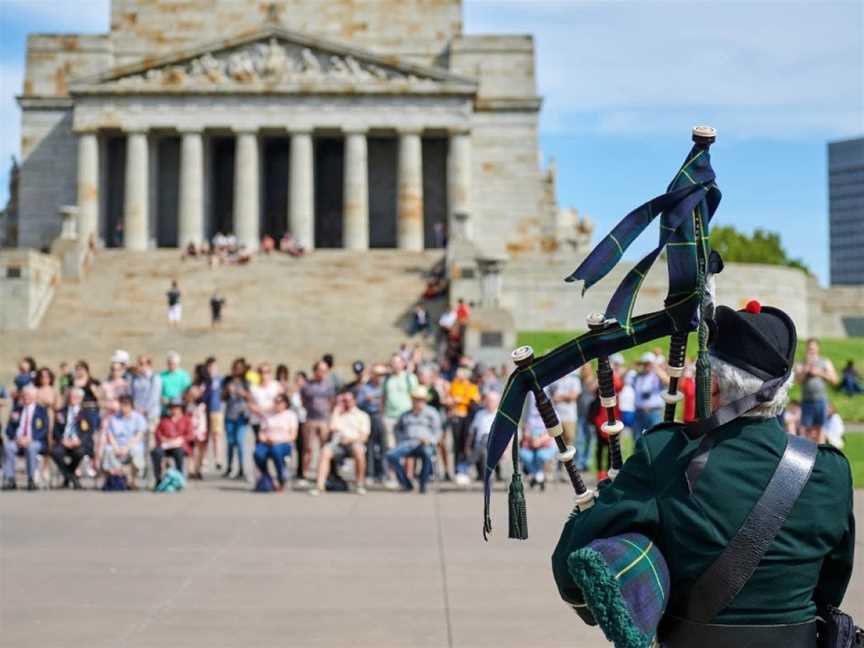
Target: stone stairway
354	305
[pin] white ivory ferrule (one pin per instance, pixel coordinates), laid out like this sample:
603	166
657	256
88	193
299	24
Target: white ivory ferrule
612	473
567	455
675	372
612	429
585	500
608	401
556	431
669	399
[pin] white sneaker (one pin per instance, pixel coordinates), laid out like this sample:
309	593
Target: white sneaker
314	492
540	477
462	479
301	483
391	484
361	490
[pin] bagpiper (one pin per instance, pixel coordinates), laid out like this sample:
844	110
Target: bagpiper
717	533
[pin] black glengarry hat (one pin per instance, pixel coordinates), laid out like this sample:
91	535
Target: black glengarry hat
761	340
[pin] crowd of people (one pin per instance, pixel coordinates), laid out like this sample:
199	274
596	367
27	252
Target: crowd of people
402	423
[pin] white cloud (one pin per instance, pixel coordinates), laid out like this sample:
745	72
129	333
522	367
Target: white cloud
618	67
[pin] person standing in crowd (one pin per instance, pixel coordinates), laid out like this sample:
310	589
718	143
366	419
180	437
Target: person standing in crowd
122	443
117	383
647	385
88	384
278	432
236	396
64	378
814	375
687	386
47	395
332	376
26	435
263	396
358	368
175	308
463	312
146	390
175	380
217	303
538	448
479	430
370	399
398	387
318	396
73	437
586	438
851	380
196	409
565	396
212	397
171	439
417	433
350	428
462	400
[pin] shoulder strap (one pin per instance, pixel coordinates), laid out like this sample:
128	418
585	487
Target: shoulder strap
717	587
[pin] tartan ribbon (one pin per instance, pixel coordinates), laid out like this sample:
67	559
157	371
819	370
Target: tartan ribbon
691	192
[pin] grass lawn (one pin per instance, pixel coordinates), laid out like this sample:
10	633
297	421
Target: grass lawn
854	450
851	409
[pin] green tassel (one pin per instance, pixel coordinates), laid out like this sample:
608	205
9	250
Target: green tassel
518	511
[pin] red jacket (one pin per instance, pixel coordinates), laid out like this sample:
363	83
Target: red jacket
170	429
600	419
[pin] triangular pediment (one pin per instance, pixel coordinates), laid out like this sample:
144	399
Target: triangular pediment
275	60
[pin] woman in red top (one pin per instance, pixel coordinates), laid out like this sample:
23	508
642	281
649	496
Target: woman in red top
173	435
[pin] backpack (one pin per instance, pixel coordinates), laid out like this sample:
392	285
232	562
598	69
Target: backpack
115	483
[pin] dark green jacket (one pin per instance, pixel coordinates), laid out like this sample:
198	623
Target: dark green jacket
806	568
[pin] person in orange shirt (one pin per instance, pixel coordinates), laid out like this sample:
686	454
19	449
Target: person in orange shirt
464	398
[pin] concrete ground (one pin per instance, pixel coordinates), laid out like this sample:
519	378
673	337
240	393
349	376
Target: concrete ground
218	566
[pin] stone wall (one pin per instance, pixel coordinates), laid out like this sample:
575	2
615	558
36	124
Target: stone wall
27	283
503	64
533	289
53	60
49	167
417	29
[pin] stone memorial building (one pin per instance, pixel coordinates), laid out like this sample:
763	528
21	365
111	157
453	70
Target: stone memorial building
350	123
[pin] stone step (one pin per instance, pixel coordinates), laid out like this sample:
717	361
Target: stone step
354	305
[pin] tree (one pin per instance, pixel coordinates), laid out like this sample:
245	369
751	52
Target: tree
762	247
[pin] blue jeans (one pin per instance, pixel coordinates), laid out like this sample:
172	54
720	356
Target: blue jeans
814	413
422	451
534	461
644	420
277	453
234	432
11	450
585	441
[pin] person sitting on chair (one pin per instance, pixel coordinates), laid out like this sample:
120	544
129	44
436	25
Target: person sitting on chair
73	436
172	438
278	432
123	441
417	432
26	435
350	428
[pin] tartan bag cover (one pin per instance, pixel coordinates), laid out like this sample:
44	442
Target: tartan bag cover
625	586
692	192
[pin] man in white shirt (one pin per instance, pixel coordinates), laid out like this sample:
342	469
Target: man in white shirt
349	428
565	394
478	434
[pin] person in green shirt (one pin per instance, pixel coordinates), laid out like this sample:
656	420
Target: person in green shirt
175	380
692	516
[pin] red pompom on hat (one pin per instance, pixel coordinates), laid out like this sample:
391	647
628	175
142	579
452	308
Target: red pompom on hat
753	306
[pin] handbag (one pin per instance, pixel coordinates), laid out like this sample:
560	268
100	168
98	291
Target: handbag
838	630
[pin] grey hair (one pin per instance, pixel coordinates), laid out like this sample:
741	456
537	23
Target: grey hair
77	391
734	383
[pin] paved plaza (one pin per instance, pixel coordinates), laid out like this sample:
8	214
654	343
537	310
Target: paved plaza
219	566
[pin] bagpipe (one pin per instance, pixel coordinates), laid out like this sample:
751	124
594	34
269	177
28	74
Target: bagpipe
685	211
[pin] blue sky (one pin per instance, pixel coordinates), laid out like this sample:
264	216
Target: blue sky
622	84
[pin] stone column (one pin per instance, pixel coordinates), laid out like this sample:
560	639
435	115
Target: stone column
88	185
355	195
301	208
459	182
409	210
136	209
246	216
191	207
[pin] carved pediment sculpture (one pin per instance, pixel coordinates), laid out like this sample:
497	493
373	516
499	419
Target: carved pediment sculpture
275	63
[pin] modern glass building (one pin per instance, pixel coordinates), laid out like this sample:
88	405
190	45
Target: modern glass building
846	209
